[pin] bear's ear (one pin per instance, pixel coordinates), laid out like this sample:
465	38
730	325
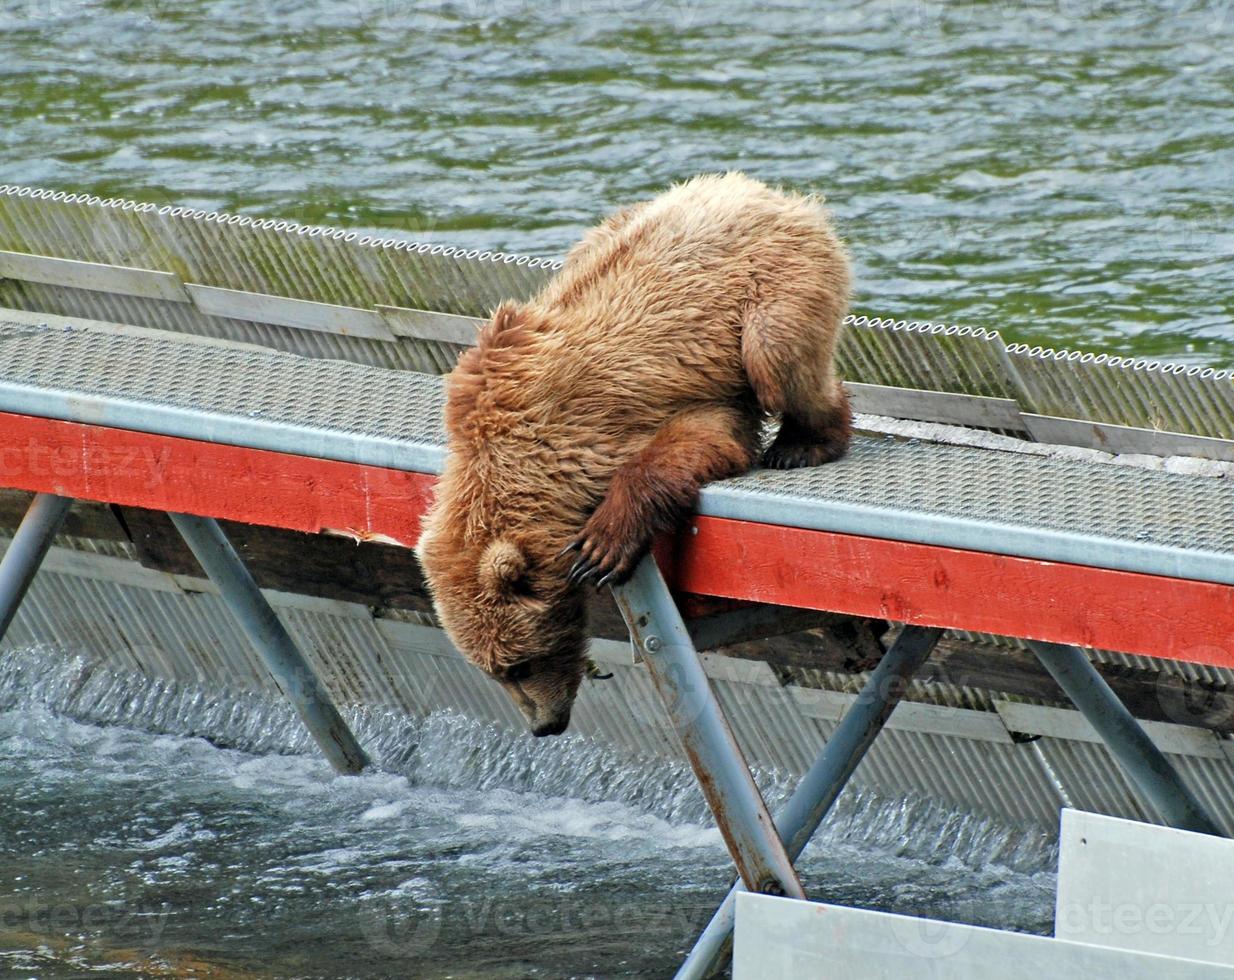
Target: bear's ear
502	566
506	318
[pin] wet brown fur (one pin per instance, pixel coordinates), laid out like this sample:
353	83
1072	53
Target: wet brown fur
594	412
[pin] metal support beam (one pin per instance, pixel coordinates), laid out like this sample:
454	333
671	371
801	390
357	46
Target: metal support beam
1143	762
820	787
286	664
25	554
657	629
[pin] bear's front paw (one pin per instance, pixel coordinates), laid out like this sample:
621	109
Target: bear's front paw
606	552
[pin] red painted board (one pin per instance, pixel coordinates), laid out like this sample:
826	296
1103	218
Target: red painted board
1177	619
923	584
251	485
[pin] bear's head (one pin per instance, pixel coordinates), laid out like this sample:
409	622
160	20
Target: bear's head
507	607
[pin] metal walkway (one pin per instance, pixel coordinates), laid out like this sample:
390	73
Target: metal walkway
1093	514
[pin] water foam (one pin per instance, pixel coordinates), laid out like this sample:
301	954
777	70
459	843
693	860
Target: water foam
586	789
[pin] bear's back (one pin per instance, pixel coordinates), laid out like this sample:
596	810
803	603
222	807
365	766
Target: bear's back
652	301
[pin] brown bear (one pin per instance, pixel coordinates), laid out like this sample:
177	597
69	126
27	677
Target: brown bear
590	415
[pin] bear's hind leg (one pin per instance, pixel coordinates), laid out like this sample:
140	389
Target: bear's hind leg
651	492
787	353
821	439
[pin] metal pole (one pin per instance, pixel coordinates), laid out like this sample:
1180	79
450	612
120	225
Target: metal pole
656	628
284	661
821	785
26	552
1127	741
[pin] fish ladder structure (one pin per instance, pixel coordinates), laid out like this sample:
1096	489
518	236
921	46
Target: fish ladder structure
161	361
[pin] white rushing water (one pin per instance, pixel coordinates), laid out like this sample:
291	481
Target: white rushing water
148	828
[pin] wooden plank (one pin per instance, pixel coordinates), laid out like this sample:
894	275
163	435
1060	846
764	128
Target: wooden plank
302	314
928	585
1067	723
881	579
430	325
255	486
74	274
946	407
377	575
1112	438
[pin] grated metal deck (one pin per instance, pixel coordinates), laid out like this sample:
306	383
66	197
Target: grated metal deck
1047	508
1084	513
244	396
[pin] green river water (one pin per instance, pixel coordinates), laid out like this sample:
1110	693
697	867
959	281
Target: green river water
1058	170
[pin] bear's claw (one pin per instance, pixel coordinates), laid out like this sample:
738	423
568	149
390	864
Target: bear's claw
792	457
581	569
607	564
587	568
610	543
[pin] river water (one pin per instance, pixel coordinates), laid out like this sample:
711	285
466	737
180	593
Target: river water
1058	170
473	853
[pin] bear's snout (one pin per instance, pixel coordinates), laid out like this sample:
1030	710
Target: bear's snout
554	727
547	712
544	689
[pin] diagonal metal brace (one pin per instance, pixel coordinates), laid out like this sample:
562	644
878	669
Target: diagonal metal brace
820	787
1143	762
26	552
657	629
259	621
